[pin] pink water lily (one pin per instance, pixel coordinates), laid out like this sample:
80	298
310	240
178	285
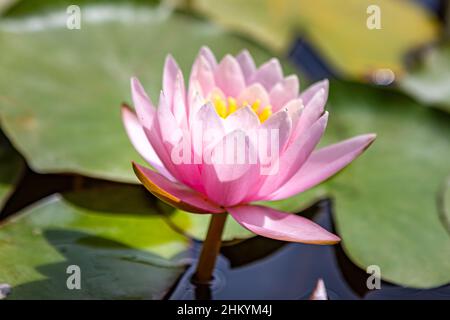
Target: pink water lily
231	97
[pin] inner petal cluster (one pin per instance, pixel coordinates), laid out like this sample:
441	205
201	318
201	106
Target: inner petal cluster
225	107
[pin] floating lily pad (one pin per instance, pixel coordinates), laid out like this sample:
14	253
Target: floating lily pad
119	242
444	203
60	89
11	166
337	28
428	81
386	202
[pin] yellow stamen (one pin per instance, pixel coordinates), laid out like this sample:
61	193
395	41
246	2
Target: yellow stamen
232	106
255	105
226	107
265	114
221	107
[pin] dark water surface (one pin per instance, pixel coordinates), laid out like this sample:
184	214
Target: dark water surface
262	268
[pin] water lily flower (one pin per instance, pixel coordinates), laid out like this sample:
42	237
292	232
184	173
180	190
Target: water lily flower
224	99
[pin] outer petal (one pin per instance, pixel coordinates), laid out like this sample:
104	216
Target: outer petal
229	77
170	74
230	173
247	64
141	143
203	73
268	74
209	55
293	158
279	225
323	164
142	103
312	111
284	91
313	89
173	193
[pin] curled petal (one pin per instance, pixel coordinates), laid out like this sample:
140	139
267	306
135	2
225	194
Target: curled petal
173	193
270	223
322	164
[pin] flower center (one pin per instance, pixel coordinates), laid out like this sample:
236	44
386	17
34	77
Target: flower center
226	107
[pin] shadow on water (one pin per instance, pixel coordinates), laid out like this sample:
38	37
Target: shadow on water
261	268
109	270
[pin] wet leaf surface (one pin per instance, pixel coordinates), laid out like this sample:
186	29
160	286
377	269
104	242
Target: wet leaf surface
123	248
386	202
428	80
69	120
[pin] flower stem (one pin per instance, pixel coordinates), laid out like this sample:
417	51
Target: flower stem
210	249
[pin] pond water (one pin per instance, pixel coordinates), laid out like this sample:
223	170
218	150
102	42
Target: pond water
261	268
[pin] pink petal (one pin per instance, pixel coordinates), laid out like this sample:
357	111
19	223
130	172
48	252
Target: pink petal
312	111
207	130
284	91
313	89
169	129
268	74
141	143
322	164
179	107
170	74
282	123
294	108
252	93
278	225
244	118
142	103
229	77
229	174
209	56
173	193
247	64
293	158
203	73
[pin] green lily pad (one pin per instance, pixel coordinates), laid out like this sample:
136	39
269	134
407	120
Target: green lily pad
338	29
75	81
121	245
21	8
444	204
386	206
11	167
428	80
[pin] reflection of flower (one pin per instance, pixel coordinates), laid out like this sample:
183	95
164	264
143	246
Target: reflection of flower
224	100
